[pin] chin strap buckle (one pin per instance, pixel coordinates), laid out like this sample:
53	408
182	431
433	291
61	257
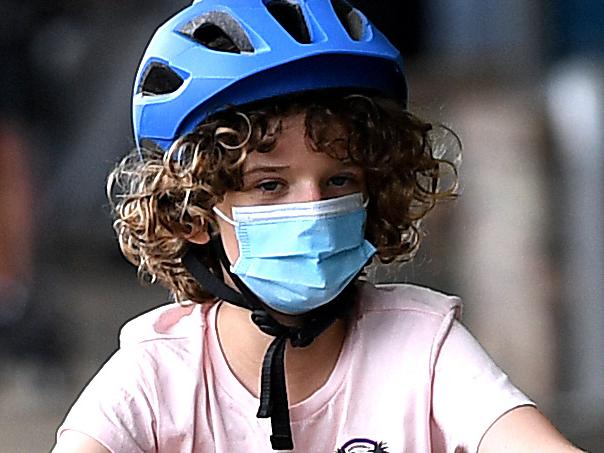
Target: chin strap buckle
281	442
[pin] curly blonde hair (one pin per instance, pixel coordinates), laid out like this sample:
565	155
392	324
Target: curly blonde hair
159	199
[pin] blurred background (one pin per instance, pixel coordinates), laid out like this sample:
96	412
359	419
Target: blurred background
521	82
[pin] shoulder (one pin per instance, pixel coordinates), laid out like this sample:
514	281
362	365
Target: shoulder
167	322
405	319
159	357
170	334
169	337
406	298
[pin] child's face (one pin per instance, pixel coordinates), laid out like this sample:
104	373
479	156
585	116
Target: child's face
290	173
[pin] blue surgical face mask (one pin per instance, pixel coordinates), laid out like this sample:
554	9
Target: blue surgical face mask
299	256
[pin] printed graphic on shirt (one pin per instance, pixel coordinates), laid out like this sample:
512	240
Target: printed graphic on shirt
363	446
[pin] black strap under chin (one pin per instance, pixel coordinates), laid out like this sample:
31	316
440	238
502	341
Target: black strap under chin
210	282
273	389
273	395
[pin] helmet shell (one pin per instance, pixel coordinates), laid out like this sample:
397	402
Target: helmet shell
271	61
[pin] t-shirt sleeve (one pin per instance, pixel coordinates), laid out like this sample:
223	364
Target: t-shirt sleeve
116	407
469	392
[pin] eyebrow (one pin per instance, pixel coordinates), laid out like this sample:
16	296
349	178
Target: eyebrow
265	169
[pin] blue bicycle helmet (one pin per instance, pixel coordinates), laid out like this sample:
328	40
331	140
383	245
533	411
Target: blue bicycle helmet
217	53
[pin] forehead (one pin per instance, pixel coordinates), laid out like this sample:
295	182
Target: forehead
298	137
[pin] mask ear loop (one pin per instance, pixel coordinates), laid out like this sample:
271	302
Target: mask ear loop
223	216
365	203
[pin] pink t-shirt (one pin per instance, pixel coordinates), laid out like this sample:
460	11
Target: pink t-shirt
409	378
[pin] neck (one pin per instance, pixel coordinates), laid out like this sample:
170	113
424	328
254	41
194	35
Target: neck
244	346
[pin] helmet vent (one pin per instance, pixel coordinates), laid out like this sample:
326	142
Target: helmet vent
218	31
290	17
159	79
352	20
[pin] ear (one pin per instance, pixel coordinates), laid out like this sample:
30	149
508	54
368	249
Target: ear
201	236
199	228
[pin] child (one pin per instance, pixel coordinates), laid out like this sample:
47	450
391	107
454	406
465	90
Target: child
276	160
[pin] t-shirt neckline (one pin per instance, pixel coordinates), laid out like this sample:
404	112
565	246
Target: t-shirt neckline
227	381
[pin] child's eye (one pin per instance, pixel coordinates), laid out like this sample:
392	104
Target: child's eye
339	181
269	186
